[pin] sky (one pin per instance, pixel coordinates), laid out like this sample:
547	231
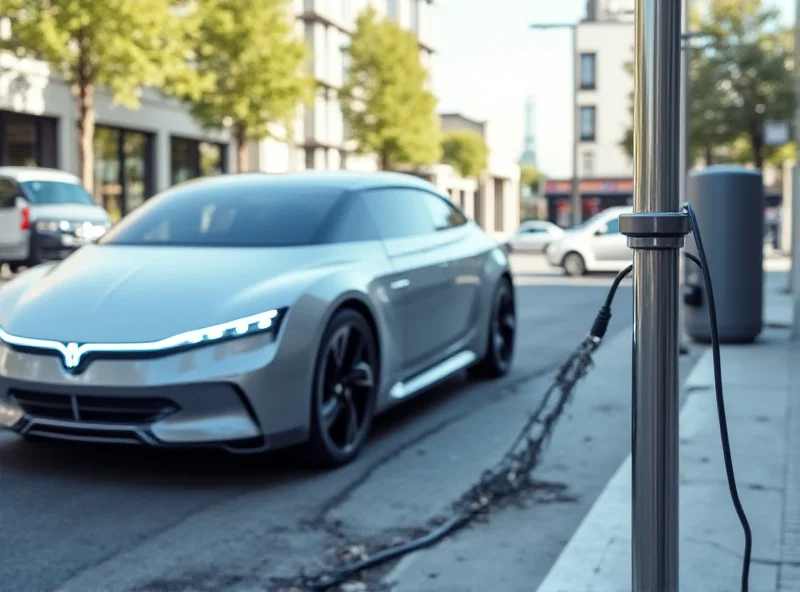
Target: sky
488	61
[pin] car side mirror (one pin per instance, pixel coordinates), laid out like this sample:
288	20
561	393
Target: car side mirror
601	231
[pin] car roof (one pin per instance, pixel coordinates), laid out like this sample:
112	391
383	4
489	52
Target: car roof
22	174
337	181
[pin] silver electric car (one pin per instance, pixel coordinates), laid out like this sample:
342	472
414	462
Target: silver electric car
254	311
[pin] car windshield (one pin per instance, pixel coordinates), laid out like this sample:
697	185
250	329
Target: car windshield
228	215
56	192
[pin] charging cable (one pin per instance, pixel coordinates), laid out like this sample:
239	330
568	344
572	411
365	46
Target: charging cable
702	262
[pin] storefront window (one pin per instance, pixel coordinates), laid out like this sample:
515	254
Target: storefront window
26	140
122	165
192	158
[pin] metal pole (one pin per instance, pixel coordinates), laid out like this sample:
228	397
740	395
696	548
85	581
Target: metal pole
577	203
795	271
685	149
656	232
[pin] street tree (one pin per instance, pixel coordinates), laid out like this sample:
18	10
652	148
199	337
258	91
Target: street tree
385	99
121	45
530	176
751	53
256	66
466	151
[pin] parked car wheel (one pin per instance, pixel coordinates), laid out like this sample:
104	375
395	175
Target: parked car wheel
574	265
502	333
345	387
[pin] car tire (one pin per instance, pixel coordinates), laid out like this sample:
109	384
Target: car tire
574	265
344	390
502	334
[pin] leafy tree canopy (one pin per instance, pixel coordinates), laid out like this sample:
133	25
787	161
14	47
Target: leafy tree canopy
466	152
385	100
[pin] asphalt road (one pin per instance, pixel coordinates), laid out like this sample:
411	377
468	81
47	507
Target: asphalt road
83	518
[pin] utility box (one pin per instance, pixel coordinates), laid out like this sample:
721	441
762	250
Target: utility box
729	204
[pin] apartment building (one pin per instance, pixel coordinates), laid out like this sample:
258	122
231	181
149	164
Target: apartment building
144	151
605	42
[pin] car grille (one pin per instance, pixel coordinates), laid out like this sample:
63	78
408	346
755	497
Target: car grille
91	408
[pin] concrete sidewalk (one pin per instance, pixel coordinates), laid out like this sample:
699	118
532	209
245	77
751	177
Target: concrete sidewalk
762	395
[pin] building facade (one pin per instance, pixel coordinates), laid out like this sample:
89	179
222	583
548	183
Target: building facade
605	42
143	151
493	200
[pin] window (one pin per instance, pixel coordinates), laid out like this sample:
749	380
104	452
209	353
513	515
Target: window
499	205
351	222
399	213
391	9
26	140
588	164
415	16
588	73
193	158
56	192
588	117
309	158
612	227
123	169
8	194
533	230
444	215
225	213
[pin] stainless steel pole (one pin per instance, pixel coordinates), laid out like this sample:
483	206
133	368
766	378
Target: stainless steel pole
577	203
795	270
686	149
656	232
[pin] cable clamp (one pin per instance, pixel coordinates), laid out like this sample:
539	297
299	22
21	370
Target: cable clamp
655	230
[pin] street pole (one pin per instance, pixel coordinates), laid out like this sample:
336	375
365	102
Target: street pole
656	232
685	149
577	203
795	270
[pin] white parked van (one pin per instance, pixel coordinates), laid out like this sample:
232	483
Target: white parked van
45	214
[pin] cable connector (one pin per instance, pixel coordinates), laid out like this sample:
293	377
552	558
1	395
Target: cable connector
600	325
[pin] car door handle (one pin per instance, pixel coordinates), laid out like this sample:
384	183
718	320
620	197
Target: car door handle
400	284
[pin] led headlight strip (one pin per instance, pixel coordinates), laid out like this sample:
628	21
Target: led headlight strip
74	352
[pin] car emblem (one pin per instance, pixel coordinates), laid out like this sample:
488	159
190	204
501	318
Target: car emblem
72	356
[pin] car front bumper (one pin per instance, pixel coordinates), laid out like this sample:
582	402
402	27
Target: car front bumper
221	395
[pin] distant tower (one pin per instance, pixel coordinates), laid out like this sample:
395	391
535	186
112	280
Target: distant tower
529	150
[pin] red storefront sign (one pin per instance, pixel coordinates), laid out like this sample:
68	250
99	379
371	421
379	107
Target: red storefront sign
591	186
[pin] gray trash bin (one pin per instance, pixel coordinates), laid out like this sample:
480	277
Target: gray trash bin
729	204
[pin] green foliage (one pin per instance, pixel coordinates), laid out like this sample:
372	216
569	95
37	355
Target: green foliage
466	152
385	99
119	44
740	78
255	64
530	176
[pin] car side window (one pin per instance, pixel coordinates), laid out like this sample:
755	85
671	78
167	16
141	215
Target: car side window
533	230
398	212
351	222
444	215
8	194
613	226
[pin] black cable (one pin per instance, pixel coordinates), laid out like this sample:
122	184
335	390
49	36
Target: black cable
723	422
467	512
600	325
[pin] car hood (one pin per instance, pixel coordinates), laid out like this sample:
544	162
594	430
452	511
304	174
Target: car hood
114	293
69	212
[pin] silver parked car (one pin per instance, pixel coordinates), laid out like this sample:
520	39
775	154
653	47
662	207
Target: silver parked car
45	214
251	312
594	245
534	236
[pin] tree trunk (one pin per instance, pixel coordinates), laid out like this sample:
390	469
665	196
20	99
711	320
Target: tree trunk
757	146
385	164
86	134
240	132
709	157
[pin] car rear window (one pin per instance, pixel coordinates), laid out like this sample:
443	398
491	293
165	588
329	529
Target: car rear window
234	214
56	192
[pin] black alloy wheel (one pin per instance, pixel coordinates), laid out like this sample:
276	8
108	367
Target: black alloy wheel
502	334
345	386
